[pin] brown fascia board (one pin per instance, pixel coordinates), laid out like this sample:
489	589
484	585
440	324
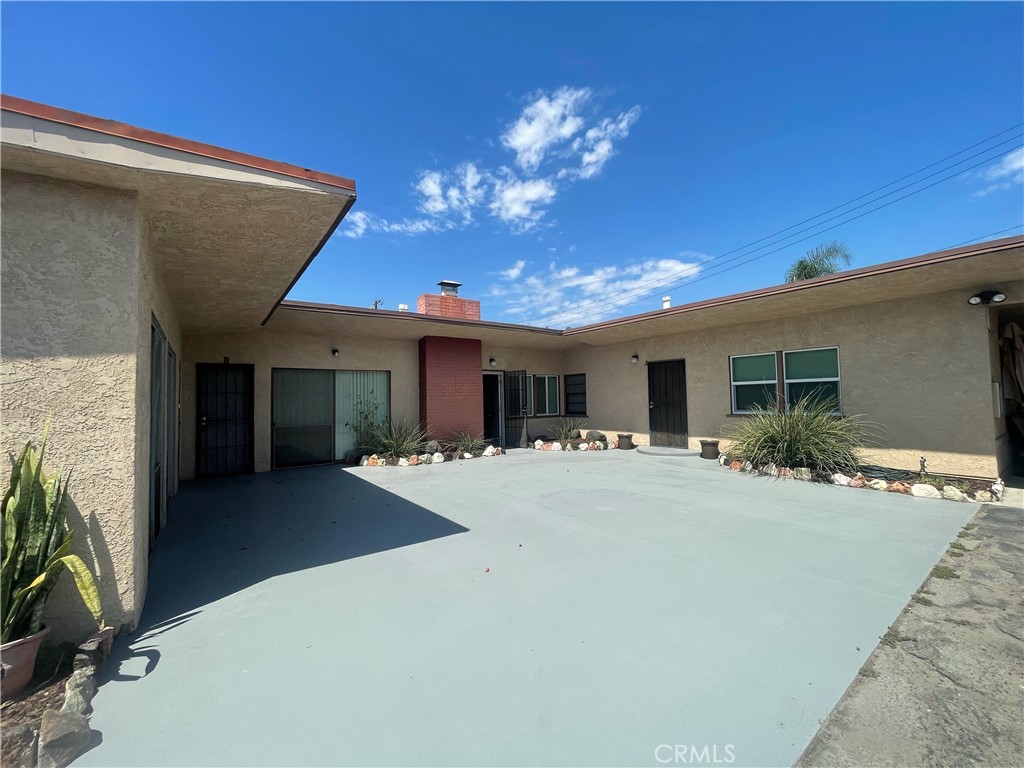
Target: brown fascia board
338	309
123	130
914	262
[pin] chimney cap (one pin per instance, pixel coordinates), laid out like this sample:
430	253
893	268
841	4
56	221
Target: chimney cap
449	287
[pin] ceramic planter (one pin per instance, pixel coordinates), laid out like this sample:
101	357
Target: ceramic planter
19	662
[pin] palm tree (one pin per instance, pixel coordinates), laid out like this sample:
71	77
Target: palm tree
823	260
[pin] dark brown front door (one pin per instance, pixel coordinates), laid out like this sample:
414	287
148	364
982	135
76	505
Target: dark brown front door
224	419
666	391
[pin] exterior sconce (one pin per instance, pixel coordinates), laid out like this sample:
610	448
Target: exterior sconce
634	359
335	353
493	363
987	297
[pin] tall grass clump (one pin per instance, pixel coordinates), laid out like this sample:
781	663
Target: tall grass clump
567	429
396	438
466	442
809	434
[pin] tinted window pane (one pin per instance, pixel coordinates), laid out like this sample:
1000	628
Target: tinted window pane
813	389
552	394
754	368
749	395
812	364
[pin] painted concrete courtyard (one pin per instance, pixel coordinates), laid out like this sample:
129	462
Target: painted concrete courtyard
532	609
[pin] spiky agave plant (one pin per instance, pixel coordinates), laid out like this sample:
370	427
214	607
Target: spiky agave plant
36	546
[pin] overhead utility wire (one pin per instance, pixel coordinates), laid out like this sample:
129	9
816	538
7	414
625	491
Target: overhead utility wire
816	234
655	283
640	289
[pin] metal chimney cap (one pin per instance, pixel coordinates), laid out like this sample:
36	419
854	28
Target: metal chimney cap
449	287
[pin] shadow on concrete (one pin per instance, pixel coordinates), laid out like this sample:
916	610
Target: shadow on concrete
226	534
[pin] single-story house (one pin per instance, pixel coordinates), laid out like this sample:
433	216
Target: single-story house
144	279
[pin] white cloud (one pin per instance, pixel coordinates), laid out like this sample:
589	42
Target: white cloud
1007	173
551	127
597	145
516	202
546	121
360	222
564	296
513	272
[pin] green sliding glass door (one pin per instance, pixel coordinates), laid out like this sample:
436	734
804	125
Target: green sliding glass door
360	397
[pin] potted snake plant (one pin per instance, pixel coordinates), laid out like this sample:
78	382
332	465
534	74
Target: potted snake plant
36	546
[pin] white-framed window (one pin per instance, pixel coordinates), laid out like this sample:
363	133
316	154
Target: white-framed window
754	380
812	373
545	396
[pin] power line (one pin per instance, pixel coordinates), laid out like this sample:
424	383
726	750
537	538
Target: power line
705	276
986	237
654	284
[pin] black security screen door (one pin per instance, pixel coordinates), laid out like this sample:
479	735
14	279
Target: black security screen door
224	419
666	391
515	408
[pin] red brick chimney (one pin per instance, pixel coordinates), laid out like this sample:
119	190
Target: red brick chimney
448	304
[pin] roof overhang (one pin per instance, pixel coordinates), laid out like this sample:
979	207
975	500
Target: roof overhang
229	233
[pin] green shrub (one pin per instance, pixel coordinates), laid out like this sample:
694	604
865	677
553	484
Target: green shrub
464	442
367	424
808	434
565	429
37	547
396	438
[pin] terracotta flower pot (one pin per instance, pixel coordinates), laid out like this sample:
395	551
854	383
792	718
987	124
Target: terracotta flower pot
19	662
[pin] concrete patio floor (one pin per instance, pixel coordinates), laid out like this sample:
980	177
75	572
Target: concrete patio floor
532	609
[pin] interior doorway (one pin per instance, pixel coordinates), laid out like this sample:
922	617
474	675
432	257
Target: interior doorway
494	419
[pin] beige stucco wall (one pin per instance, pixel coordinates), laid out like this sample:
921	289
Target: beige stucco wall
266	350
533	361
70	274
920	367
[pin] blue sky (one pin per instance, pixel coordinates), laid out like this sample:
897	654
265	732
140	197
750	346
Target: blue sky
566	162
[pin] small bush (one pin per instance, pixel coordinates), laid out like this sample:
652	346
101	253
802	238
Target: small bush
808	434
464	442
566	429
396	439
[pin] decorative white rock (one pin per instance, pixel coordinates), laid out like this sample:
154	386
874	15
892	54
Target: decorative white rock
925	491
438	458
489	450
362	461
877	485
953	494
403	462
556	446
998	489
467	455
723	460
584	447
840	479
984	497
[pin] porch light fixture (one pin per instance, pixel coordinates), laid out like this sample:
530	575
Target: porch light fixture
634	359
987	297
493	363
335	353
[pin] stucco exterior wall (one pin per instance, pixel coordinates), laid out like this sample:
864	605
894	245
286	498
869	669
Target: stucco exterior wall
920	367
533	361
70	276
266	350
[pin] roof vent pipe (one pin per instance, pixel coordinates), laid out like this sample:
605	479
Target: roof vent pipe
666	302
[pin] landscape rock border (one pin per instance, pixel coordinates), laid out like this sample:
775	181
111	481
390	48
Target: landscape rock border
61	735
415	460
993	494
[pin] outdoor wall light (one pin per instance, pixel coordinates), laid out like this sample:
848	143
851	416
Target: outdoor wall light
987	297
335	353
493	363
634	359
